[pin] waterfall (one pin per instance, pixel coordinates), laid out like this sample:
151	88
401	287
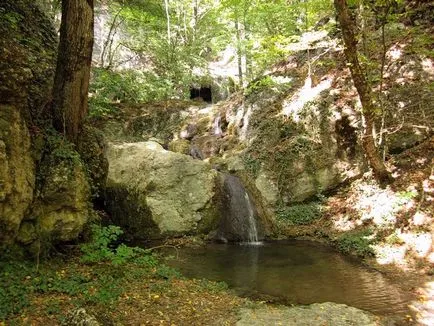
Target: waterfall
216	126
252	230
239	221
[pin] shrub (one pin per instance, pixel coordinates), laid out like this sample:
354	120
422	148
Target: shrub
103	248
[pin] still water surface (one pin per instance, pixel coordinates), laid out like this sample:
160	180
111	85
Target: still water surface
293	272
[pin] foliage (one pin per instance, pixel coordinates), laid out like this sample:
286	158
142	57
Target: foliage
102	248
20	280
12	19
407	195
251	164
133	86
300	214
177	39
268	27
173	41
394	239
167	272
13	294
260	85
213	287
60	147
358	243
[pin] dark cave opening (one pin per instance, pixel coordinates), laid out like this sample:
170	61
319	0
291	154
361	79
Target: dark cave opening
203	93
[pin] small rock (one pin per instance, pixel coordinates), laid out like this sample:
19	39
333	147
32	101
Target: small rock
80	317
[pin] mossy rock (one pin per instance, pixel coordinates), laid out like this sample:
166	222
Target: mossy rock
92	148
28	56
17	172
62	207
181	146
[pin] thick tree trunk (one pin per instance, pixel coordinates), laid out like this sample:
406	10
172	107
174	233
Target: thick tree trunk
364	91
71	83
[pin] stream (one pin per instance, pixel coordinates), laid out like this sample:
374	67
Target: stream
293	272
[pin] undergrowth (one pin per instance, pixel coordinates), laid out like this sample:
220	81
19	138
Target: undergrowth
358	243
97	278
300	214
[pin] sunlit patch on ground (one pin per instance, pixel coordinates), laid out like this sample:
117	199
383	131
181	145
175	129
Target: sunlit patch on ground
424	305
306	94
400	216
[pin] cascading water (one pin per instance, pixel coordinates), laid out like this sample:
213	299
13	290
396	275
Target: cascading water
252	230
239	222
216	126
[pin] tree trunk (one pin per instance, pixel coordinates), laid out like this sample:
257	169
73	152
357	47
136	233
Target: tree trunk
169	34
239	51
71	82
364	91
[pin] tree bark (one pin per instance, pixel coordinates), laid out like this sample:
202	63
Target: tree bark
71	82
364	91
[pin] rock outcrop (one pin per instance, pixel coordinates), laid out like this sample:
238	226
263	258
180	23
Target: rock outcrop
327	313
155	193
27	59
44	188
17	172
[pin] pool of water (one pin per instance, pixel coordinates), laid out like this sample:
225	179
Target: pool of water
293	272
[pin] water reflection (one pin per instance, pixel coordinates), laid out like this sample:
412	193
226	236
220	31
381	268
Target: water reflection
294	272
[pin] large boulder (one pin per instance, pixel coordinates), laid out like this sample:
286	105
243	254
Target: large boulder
154	193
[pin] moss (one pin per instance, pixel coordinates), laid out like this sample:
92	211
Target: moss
159	123
210	218
92	147
27	61
180	146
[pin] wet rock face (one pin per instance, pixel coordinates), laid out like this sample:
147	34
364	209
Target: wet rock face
155	193
239	221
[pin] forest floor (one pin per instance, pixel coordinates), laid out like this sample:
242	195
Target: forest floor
116	295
